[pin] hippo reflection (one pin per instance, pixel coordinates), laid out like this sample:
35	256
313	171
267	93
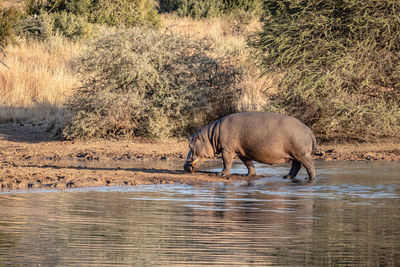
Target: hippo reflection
264	137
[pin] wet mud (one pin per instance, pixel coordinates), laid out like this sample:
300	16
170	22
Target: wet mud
29	158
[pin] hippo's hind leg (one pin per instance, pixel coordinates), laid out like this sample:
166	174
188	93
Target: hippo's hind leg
294	170
250	166
228	159
309	164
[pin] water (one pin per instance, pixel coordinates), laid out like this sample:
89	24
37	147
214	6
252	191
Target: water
351	216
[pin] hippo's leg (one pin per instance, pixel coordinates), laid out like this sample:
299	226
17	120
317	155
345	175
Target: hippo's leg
296	165
228	159
309	164
250	166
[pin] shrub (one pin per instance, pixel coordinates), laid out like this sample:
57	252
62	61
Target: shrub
45	25
200	9
70	25
142	83
209	8
340	61
252	6
9	17
36	27
125	12
109	12
192	8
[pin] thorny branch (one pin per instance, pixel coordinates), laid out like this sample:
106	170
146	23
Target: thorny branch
4	55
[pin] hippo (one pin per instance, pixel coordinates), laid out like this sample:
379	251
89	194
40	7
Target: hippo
265	137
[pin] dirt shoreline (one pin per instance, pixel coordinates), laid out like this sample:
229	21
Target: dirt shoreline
29	159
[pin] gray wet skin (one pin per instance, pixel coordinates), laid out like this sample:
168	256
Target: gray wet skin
264	137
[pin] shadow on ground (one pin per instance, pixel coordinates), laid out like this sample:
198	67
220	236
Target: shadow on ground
27	133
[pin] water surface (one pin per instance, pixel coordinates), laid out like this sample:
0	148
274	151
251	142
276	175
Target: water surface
351	216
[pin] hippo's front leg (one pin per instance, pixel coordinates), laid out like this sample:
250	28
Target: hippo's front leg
228	159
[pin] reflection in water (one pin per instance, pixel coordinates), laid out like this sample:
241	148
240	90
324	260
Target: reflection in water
350	217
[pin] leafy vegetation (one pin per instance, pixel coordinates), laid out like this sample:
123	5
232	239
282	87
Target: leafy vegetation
75	19
333	64
9	17
107	12
140	82
209	8
341	64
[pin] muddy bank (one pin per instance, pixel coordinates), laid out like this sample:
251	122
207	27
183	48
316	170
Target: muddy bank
29	159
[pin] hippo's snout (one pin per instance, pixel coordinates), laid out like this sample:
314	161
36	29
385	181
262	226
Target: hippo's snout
193	165
188	167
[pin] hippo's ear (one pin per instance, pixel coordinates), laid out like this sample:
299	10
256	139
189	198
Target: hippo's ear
195	138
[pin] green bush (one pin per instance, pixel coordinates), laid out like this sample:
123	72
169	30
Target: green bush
192	8
108	12
70	25
9	18
36	27
43	26
252	6
124	12
200	9
209	8
142	83
341	64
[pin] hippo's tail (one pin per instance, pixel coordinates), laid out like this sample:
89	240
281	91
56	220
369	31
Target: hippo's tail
314	144
315	152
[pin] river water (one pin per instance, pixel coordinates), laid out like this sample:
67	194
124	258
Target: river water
351	216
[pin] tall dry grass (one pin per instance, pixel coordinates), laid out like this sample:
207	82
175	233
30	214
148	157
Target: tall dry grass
224	31
38	80
9	3
230	33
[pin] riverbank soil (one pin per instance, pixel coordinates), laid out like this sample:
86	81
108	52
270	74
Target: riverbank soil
29	158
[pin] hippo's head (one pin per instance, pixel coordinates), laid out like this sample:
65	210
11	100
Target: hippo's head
199	150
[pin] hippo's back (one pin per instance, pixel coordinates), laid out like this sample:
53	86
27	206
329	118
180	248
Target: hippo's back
265	136
248	123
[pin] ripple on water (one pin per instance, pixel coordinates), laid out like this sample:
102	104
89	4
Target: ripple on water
350	216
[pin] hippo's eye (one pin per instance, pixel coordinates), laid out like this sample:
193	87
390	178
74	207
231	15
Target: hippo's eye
194	150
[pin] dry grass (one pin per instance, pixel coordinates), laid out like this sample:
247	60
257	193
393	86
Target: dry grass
229	33
9	3
38	79
221	30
